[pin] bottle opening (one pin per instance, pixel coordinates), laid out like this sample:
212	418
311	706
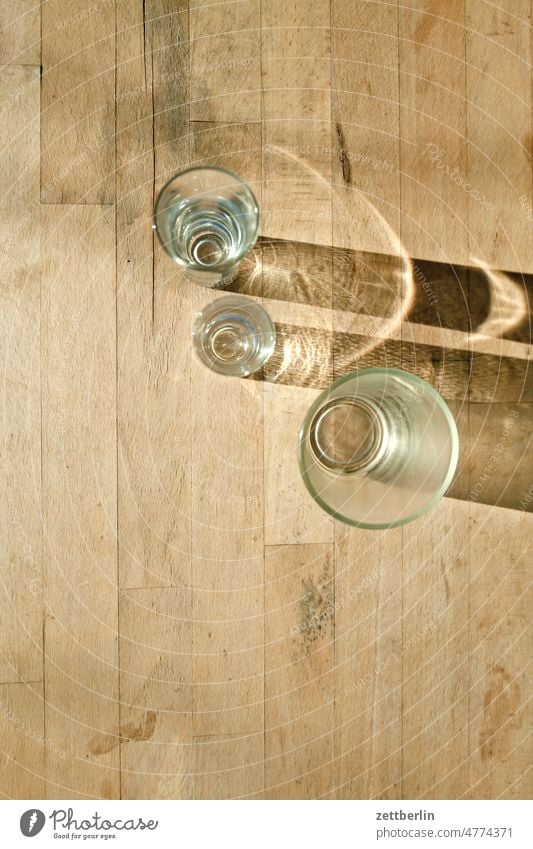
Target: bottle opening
348	435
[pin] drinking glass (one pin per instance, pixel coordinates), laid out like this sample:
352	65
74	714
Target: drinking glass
207	219
378	448
234	336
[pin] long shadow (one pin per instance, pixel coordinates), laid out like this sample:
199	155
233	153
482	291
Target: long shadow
466	330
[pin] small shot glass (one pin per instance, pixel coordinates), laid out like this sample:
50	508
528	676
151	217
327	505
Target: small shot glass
234	336
207	219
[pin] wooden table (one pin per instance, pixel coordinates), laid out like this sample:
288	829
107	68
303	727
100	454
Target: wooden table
178	619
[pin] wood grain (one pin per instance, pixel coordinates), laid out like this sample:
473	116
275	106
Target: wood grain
227	544
156	745
296	78
23	743
209	632
20	35
225	61
368	664
21	578
498	84
227	531
229	766
155	693
80	501
291	516
19	137
299	671
497	451
152	305
433	129
78	102
500	545
365	126
435	654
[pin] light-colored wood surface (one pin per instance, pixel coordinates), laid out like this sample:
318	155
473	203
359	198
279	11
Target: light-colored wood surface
299	671
79	480
20	32
433	122
21	623
179	619
296	116
368	664
23	741
498	89
77	102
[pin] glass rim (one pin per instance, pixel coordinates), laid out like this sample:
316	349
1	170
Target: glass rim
225	303
192	265
436	497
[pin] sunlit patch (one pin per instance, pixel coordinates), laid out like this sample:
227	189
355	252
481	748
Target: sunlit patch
364	283
508	304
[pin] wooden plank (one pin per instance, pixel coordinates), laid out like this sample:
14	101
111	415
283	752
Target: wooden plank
152	314
368	663
155	693
23	743
433	110
457	373
291	515
19	137
296	61
167	53
21	623
500	379
227	510
499	133
435	654
299	671
297	272
20	467
227	543
153	410
78	102
79	501
138	511
498	454
20	32
167	33
225	61
302	356
371	284
365	131
234	146
229	766
500	550
296	76
305	354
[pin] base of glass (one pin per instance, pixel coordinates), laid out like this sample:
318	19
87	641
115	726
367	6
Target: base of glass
234	336
212	279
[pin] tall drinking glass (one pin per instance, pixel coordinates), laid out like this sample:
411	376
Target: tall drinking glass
378	448
207	219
